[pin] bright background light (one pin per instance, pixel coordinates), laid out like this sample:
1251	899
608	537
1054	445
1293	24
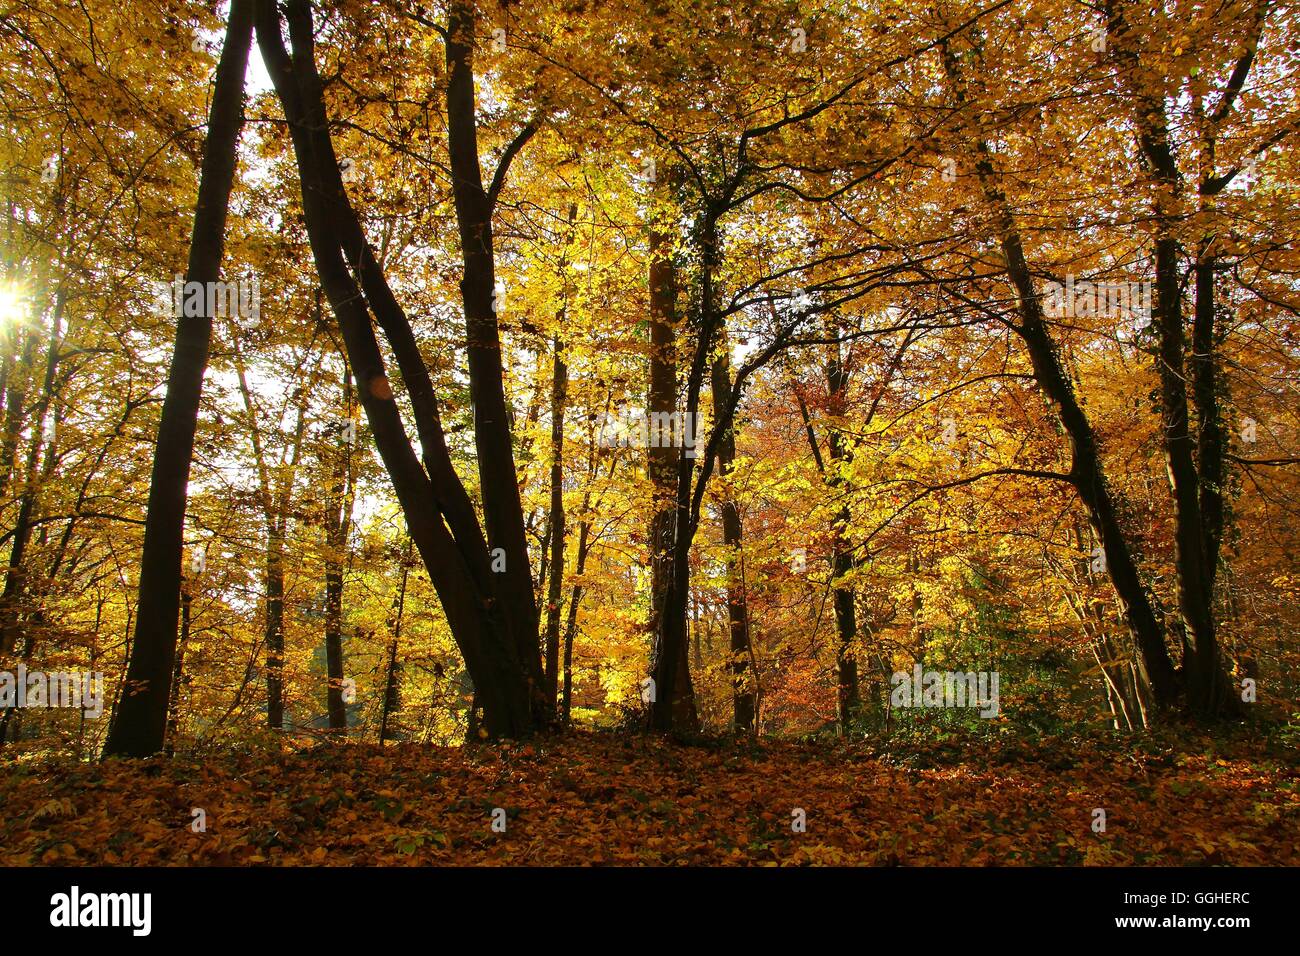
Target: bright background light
12	296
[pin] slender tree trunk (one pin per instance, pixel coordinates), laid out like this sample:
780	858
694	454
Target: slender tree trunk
579	568
559	386
846	624
338	522
1086	472
848	686
742	694
571	627
275	493
392	699
273	634
140	726
1117	676
11	599
174	705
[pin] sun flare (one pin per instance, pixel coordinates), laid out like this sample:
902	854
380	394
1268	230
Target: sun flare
12	297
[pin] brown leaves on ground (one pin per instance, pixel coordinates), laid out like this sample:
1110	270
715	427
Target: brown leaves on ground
605	799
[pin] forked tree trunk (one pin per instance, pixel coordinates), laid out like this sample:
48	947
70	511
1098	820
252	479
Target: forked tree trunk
485	610
1197	534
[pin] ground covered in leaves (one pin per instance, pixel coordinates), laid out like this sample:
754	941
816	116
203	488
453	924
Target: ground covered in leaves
614	799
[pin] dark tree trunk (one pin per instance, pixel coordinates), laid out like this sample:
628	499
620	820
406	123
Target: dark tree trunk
140	725
661	399
673	708
174	705
554	595
1196	535
502	510
846	623
1086	472
274	632
1089	479
742	693
439	513
1212	439
1206	687
392	696
338	522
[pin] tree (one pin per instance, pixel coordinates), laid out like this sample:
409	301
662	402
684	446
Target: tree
141	721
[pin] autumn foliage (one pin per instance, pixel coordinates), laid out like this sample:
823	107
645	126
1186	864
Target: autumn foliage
604	376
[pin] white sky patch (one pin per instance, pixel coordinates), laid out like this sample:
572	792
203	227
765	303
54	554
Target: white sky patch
257	79
742	347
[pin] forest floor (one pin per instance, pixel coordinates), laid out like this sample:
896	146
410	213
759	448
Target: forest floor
603	798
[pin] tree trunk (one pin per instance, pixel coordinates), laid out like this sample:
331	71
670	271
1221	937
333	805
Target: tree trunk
392	699
338	523
502	510
274	630
846	624
1086	472
661	400
1197	533
742	694
559	385
174	704
1206	686
438	510
571	627
673	708
140	726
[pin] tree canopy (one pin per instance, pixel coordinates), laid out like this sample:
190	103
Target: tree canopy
381	372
